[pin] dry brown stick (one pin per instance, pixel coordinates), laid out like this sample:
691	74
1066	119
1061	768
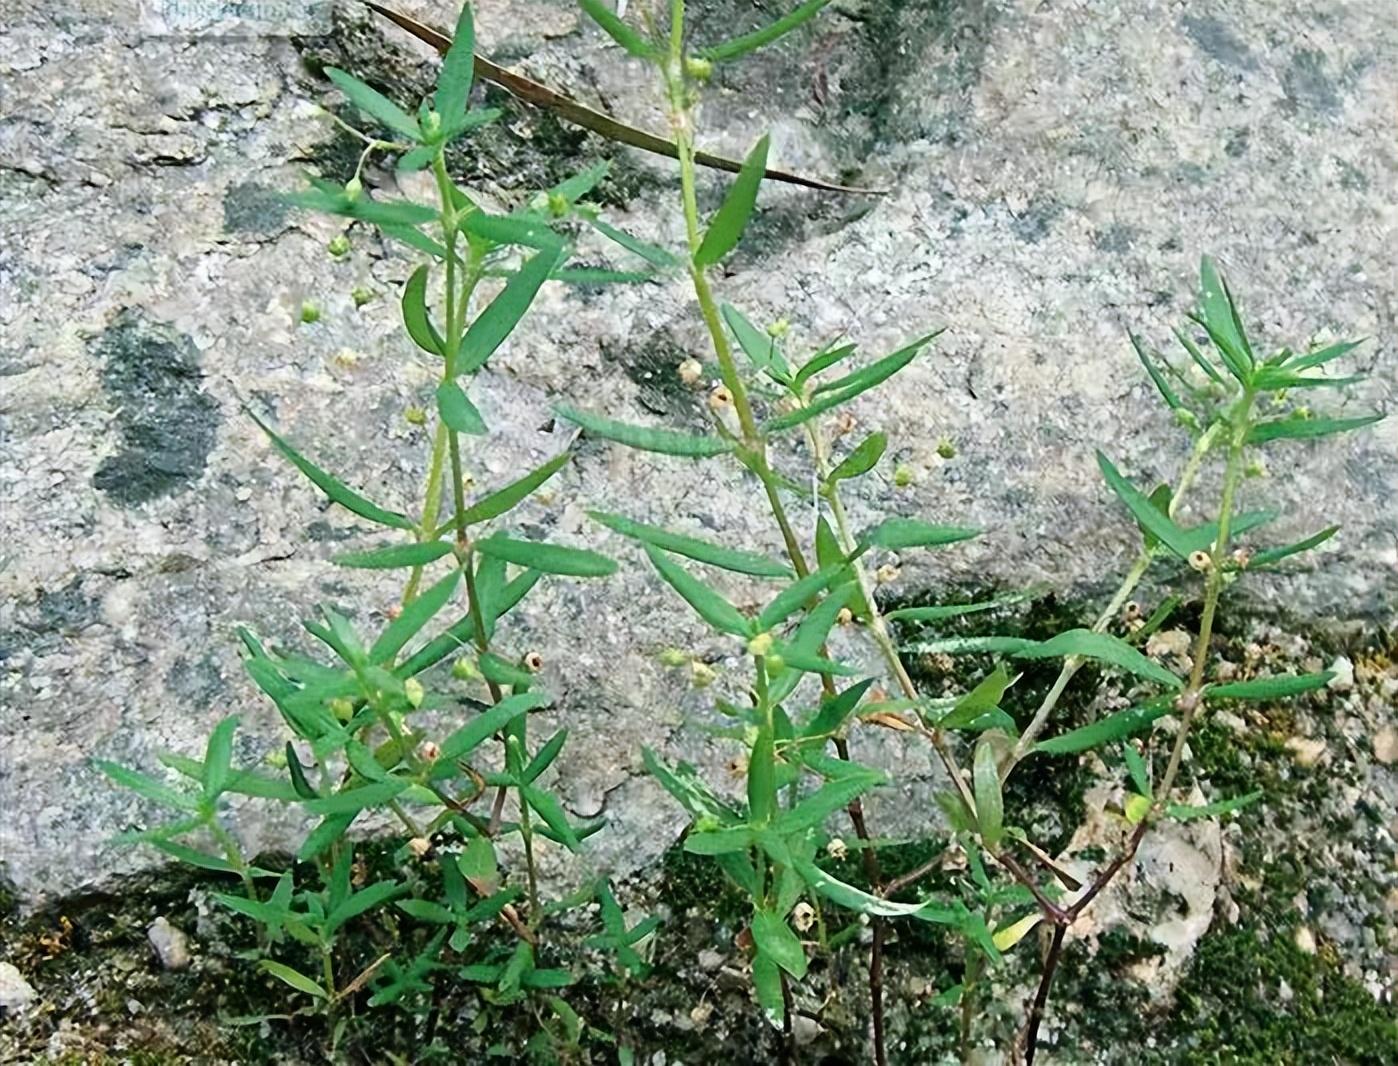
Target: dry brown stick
539	95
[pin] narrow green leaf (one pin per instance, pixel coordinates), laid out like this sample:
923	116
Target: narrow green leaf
193	857
759	346
416	318
731	219
218	757
544	757
1201	538
766	35
490	328
973	645
1272	556
1172	399
484	726
1293	428
1321	356
833	796
454	79
762	779
822	360
767	984
956	610
546	805
1221	319
1102	647
981	700
835	393
1113	727
426	911
457	410
353	800
863	459
366	899
1136	766
147	787
319	839
862	902
1277	687
396	556
374	104
653	254
294	978
833	711
990	805
720	841
796	595
299	784
548	558
809	662
503	500
618	30
709	605
337	491
415	615
738	561
775	939
1212	810
646	438
1146	513
1199	358
529	232
897	534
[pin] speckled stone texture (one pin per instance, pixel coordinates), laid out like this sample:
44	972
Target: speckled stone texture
1054	172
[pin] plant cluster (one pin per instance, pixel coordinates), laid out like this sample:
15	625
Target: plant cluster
427	727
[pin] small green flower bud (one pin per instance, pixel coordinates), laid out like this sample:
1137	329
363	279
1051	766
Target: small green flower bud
1137	807
431	124
946	449
707	823
1256	468
464	670
361	295
760	644
342	708
558	205
413	690
701	674
353	188
338	246
415	415
779	329
673	657
775	663
903	476
698	68
309	312
1186	418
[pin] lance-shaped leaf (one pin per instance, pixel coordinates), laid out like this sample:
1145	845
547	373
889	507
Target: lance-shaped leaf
1113	727
454	79
750	42
618	30
1150	517
823	360
809	662
416	317
835	393
860	461
1294	428
1212	810
736	560
396	556
833	796
218	758
796	595
418	612
1199	358
862	902
1277	687
1201	538
548	558
646	438
1171	398
503	500
546	805
956	610
366	899
484	726
775	939
726	228
375	104
295	978
457	411
1321	356
833	711
707	603
1221	319
490	328
530	232
990	805
147	787
981	700
353	800
337	491
658	257
397	218
1271	556
759	346
1103	647
897	534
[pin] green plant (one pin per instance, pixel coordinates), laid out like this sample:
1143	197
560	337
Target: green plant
769	844
378	724
383	731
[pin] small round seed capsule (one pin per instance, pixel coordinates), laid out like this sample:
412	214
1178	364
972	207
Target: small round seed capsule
698	69
803	916
414	415
720	399
760	644
1131	611
701	674
886	574
691	372
392	611
429	751
533	662
342	709
419	846
903	476
845	617
1241	558
338	246
1200	560
836	849
844	424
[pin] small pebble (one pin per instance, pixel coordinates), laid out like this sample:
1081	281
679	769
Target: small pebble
1343	670
1306	751
1305	939
170	944
1386	745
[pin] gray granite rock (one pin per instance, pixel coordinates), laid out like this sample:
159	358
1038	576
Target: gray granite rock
1054	173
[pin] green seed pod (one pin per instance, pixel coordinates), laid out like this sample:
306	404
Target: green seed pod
413	690
342	708
309	312
698	69
903	476
946	449
558	205
415	415
361	295
354	187
673	657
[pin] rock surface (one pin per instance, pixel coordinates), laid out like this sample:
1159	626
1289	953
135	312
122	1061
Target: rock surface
1055	172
